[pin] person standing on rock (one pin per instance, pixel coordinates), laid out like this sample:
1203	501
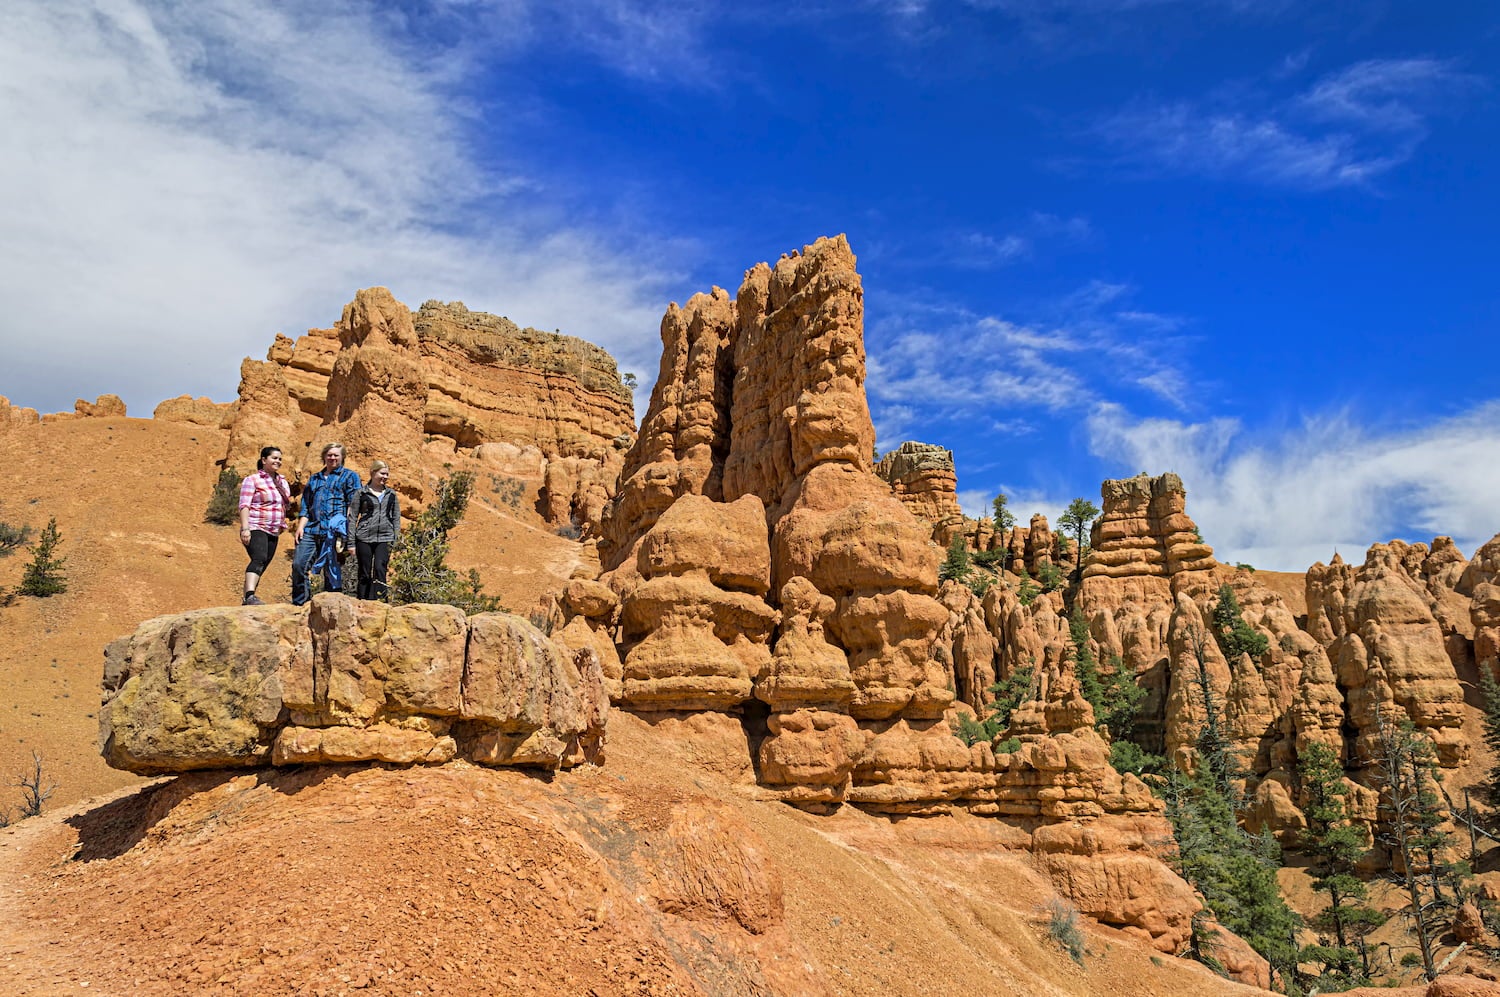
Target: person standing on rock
377	523
323	524
264	497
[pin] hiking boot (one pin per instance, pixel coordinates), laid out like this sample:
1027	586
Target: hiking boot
252	600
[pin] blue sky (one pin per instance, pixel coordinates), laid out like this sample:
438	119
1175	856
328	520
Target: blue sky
1249	241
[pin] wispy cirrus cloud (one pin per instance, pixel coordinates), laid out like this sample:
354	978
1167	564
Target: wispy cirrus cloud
938	361
1285	500
1348	128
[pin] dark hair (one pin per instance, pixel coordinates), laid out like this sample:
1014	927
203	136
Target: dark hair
265	452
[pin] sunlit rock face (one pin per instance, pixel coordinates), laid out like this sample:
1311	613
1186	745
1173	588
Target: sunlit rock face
344	680
923	478
387	382
808	586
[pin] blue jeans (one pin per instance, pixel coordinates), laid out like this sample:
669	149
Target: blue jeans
304	555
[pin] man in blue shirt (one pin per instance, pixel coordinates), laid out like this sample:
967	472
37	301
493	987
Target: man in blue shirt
327	500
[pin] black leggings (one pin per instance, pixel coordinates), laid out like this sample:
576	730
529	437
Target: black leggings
373	559
262	548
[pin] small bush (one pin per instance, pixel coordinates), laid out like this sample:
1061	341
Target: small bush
44	575
13	538
510	490
971	732
35	792
568	531
1127	756
224	504
1051	577
1062	928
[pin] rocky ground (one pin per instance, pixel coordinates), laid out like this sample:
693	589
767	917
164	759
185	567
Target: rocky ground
650	875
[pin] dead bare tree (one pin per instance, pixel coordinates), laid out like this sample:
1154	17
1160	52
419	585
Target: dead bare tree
1413	812
33	793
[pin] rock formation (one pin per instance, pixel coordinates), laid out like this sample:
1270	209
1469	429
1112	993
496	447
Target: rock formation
15	415
104	405
197	412
771	591
342	680
377	393
764	568
834	617
265	415
542	407
1387	648
923	478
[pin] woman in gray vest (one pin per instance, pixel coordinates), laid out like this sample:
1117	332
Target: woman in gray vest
377	523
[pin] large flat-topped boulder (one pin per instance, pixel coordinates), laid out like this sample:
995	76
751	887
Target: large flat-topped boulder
342	680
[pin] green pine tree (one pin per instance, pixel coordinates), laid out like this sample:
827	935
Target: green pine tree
1027	591
1078	517
419	571
1233	870
1489	688
1005	695
1116	697
1412	812
1234	635
955	566
1334	844
1004	521
44	576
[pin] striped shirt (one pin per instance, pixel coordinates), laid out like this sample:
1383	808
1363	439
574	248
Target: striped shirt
266	496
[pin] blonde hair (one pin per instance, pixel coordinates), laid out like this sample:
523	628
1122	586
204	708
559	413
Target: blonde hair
379	465
329	446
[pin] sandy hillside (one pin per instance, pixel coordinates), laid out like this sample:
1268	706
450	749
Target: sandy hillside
650	875
129	496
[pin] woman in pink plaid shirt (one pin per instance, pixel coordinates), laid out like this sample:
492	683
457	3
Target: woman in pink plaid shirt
264	497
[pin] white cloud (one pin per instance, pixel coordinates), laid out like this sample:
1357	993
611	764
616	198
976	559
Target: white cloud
1285	502
958	363
1023	504
981	251
1183	138
892	423
1346	130
182	181
1169	385
1391	95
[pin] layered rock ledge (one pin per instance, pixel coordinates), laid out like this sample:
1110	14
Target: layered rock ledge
388	382
341	680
